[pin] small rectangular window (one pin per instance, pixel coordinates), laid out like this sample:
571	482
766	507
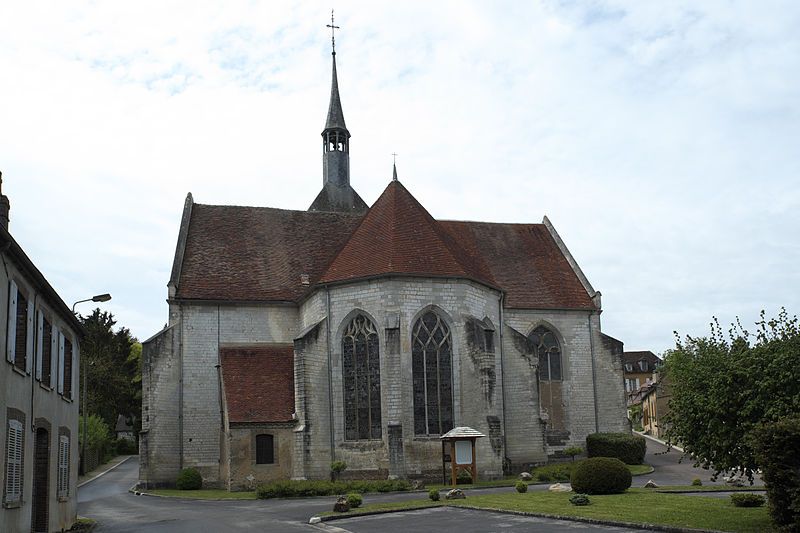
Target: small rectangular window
62	485
21	344
265	450
45	351
14	457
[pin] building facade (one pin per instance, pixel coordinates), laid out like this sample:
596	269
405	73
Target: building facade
41	338
362	334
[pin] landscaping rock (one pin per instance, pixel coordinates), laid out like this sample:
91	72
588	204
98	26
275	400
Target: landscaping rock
734	480
341	505
526	476
455	494
559	487
651	485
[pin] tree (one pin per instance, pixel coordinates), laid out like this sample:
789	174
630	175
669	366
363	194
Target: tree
724	387
113	367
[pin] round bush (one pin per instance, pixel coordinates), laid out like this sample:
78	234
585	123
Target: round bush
579	499
521	487
464	478
627	448
189	479
433	494
697	482
747	499
601	475
355	500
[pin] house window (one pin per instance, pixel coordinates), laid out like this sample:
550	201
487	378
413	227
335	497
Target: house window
265	450
15	446
44	350
643	366
62	486
67	368
431	362
361	371
548	351
19	342
628	367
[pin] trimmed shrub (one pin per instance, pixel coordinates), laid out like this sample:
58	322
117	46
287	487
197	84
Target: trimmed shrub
572	451
464	478
776	446
189	479
433	494
337	467
355	500
697	482
544	477
287	488
601	475
521	487
747	499
629	449
579	499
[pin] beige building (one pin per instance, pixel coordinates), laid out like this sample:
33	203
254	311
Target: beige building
41	338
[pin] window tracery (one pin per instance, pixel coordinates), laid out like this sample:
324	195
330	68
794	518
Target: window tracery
431	358
362	380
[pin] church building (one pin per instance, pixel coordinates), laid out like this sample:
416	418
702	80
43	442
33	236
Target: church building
362	334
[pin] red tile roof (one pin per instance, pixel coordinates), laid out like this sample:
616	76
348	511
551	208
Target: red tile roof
263	254
258	253
258	382
398	236
526	263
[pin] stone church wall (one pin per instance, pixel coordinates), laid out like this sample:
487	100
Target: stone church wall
393	305
245	473
525	438
184	373
611	401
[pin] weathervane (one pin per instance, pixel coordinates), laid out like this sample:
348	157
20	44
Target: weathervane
333	28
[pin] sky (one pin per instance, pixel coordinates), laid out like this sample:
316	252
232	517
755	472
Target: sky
662	139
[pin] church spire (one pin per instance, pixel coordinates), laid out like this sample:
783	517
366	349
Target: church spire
336	194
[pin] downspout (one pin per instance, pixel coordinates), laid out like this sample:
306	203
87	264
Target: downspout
330	374
219	392
594	376
180	392
33	363
500	302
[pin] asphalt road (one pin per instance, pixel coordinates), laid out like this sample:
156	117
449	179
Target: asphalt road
108	501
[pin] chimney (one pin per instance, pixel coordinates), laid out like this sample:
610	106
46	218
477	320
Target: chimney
5	206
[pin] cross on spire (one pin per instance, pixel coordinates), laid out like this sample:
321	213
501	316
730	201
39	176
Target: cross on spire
333	28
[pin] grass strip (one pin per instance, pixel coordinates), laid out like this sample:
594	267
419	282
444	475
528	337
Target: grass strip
636	506
202	494
376	508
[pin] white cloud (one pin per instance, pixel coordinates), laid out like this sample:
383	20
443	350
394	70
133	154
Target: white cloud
659	138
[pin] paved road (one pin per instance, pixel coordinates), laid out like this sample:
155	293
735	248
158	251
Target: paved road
108	501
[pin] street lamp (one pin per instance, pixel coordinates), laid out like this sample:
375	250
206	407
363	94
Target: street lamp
97	298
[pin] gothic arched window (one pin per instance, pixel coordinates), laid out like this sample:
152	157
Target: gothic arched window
362	380
431	362
546	347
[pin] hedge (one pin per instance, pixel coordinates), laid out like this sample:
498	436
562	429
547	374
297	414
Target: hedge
600	475
189	479
298	488
776	446
627	448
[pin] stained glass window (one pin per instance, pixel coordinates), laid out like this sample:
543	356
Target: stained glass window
431	361
548	350
362	380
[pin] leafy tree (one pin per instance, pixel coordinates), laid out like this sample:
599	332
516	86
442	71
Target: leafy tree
724	386
98	436
113	369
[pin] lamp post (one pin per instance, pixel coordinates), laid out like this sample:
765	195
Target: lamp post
97	298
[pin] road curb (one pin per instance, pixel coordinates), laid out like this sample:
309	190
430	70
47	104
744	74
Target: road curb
104	472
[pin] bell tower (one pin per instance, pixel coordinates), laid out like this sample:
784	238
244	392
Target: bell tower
336	193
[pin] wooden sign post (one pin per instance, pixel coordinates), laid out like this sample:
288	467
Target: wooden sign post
460	443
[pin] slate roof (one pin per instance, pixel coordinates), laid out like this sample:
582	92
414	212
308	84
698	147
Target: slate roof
635	356
335	117
258	382
264	254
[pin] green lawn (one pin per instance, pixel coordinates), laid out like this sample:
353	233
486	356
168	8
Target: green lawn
636	506
390	506
203	494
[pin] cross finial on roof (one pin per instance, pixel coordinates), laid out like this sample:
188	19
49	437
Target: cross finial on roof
333	28
394	166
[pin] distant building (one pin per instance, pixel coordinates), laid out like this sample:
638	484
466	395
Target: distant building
655	405
638	368
124	429
39	394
